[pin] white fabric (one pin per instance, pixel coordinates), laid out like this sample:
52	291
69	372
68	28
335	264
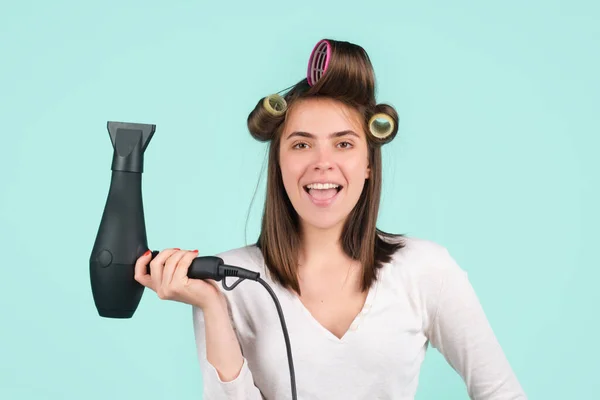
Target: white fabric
422	297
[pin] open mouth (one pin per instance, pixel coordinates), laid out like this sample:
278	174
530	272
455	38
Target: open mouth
322	193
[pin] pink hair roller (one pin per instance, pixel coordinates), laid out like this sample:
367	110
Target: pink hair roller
318	62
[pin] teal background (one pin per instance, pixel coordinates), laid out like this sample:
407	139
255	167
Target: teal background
496	159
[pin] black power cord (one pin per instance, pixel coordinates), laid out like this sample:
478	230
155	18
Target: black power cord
285	335
211	267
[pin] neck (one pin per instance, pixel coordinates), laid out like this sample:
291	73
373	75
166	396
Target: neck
321	248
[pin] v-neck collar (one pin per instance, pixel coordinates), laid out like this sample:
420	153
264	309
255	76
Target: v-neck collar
358	319
356	323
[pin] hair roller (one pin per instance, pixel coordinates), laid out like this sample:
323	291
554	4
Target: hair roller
383	124
341	70
275	105
318	61
266	116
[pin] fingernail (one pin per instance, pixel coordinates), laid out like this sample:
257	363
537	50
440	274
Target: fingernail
146	253
177	248
195	251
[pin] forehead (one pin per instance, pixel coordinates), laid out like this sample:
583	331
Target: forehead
322	116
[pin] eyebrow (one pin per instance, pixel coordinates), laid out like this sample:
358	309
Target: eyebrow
331	135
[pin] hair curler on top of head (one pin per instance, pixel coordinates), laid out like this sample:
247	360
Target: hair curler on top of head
318	61
339	70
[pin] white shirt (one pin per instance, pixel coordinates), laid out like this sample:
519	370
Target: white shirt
421	297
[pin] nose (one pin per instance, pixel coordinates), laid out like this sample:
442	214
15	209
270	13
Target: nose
323	159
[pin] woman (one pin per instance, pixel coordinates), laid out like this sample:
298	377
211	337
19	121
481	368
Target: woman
361	305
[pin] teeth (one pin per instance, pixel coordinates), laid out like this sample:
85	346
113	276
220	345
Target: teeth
323	186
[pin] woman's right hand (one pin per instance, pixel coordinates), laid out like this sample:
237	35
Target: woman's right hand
168	278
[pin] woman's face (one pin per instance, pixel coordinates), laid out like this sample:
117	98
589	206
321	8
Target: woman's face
324	161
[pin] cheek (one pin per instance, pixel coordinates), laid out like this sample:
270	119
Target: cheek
290	173
357	171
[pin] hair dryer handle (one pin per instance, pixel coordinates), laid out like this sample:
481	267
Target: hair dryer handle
206	267
212	267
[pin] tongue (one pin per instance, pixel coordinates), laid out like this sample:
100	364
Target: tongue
322	194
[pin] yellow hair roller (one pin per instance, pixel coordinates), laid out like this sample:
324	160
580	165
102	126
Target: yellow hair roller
381	125
275	105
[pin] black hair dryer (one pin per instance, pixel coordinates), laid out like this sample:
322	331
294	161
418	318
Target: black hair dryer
121	237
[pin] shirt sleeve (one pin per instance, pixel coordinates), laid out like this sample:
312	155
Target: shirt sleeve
462	333
241	388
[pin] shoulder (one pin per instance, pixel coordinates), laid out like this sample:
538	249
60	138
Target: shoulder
423	266
419	255
421	272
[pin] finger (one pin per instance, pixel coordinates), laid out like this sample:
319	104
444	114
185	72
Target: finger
170	266
157	265
180	274
140	273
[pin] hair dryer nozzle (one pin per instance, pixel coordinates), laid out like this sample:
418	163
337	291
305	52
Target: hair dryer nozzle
129	141
147	131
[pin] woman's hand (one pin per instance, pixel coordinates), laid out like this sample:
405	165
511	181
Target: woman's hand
168	278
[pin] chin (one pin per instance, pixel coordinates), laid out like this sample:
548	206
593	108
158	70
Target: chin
322	221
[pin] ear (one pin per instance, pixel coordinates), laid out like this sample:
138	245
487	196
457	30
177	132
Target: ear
368	173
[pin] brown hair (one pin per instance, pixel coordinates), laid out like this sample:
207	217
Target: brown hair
349	79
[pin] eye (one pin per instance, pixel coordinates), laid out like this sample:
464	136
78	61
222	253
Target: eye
345	145
299	145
